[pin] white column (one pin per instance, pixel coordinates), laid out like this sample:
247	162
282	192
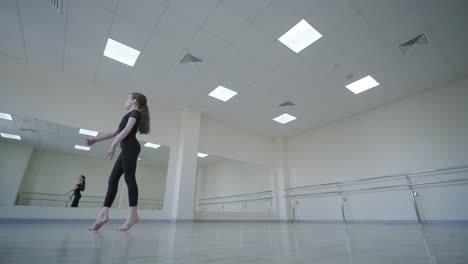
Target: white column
179	198
281	179
14	160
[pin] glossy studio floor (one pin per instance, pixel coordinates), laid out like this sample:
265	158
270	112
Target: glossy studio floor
349	116
234	243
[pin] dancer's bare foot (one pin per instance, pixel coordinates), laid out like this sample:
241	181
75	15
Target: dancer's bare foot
99	223
129	223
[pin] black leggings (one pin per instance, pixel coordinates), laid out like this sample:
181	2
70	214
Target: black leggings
125	164
76	199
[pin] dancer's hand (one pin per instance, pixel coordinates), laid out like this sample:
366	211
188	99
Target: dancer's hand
91	141
110	153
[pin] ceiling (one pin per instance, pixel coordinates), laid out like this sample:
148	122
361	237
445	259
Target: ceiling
47	136
237	41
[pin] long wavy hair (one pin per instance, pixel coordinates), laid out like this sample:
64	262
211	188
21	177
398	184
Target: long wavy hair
144	124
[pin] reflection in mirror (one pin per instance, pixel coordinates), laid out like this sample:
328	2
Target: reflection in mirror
226	185
41	164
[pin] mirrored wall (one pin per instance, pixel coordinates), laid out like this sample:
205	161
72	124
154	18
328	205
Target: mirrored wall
41	162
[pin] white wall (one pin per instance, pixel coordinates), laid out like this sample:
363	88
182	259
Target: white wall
224	140
231	177
422	132
13	162
57	173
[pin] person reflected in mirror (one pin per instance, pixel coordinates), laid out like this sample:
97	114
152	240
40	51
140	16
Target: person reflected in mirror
79	187
137	119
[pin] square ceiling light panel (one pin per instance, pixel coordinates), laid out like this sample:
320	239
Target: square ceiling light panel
121	52
151	145
222	93
362	85
82	147
5	116
300	36
10	136
284	118
202	155
88	132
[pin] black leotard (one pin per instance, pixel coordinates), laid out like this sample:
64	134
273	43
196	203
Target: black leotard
126	163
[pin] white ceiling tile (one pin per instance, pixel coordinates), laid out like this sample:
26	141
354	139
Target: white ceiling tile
225	23
206	46
158	57
212	73
232	58
44	31
141	83
82	55
10	30
25	122
112	73
195	11
430	67
257	90
7	124
77	69
8	8
52	61
251	40
449	36
179	76
92	32
144	13
435	11
108	4
37	41
323	53
275	54
153	66
49	23
129	34
248	8
354	28
176	28
382	13
254	71
277	19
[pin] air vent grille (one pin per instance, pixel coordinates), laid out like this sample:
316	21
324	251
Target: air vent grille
287	103
418	41
56	5
189	58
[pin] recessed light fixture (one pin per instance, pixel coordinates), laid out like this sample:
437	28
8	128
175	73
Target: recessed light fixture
10	136
139	158
82	147
362	85
284	118
88	132
5	116
202	155
152	145
222	93
121	52
300	36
